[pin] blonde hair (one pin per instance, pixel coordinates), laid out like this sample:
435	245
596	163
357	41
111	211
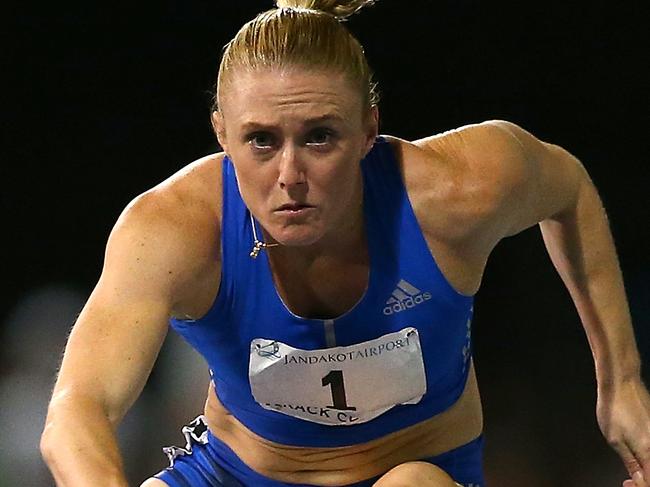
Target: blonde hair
300	33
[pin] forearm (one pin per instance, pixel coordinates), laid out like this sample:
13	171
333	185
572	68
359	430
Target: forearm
580	244
79	444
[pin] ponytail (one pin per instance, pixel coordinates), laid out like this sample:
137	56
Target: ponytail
341	9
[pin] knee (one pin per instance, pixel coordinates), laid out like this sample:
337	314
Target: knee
422	474
153	482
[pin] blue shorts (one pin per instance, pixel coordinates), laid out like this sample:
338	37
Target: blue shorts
206	461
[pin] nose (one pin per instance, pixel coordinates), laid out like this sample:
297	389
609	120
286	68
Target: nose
290	170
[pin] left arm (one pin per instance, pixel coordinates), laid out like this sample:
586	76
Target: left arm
551	187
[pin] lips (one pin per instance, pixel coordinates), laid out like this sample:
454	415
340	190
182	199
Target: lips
293	207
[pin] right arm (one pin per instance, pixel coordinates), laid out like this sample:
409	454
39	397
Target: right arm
113	345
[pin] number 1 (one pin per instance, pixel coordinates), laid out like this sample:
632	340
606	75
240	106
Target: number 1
335	380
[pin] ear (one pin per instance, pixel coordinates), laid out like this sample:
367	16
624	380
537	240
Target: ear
219	128
372	127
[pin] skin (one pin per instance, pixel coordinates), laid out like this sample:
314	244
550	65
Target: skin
295	143
299	151
485	181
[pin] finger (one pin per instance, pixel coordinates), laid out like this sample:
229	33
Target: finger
640	463
632	466
629	483
645	466
639	481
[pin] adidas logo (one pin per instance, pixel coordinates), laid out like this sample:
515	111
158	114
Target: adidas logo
405	296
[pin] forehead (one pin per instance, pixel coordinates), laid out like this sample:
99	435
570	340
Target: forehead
271	96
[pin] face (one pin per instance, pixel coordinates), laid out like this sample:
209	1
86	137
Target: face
296	138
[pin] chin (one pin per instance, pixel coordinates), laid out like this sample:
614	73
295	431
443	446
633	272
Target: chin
296	237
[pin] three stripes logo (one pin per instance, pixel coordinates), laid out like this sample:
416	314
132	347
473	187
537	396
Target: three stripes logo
405	296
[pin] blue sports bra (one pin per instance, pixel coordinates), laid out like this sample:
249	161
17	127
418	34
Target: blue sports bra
406	291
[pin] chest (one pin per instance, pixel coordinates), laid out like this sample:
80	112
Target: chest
324	289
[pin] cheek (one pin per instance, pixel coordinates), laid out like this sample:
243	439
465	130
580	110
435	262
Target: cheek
252	182
341	182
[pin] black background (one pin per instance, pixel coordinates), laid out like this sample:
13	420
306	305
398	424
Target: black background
102	101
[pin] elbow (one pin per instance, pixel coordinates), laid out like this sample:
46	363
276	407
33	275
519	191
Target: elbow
50	436
54	439
46	450
47	445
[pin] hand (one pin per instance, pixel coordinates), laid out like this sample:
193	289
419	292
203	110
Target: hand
623	413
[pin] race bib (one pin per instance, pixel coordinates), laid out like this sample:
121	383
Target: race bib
342	385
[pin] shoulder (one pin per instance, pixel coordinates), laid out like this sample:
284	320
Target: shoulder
186	201
459	181
486	157
488	180
167	234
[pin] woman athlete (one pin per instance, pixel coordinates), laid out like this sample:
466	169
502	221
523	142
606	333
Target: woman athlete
326	275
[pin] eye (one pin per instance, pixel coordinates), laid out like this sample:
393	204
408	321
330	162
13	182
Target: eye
320	136
261	140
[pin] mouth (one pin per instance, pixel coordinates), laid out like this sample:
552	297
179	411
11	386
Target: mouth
293	208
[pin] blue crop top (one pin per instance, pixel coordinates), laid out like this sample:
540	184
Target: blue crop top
405	289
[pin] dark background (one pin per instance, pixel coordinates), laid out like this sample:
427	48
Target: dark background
102	101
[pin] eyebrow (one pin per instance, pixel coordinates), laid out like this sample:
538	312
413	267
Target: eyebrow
330	117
